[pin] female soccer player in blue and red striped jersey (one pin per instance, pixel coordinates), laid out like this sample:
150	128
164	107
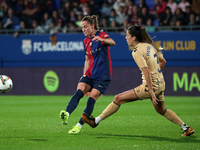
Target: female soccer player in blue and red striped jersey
97	70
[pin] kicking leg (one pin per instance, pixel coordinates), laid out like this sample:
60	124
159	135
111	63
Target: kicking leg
94	94
119	99
64	114
73	103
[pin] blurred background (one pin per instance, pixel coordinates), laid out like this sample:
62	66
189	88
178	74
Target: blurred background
41	43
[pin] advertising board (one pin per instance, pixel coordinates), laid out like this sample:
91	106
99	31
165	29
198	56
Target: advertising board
67	50
183	81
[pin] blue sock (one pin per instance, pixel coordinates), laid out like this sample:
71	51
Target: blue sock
73	103
89	108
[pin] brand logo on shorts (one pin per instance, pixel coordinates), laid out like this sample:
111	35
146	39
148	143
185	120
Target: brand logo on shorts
100	86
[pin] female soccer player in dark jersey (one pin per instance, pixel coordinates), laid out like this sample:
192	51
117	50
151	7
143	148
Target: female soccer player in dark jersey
150	61
97	70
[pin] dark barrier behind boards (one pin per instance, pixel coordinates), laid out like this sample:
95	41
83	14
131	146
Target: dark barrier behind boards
184	81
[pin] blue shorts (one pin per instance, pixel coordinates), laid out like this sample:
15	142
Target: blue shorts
100	85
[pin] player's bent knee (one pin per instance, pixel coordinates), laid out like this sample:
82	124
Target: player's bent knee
95	95
161	111
117	99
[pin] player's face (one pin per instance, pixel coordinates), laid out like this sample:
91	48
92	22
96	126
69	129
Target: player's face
129	39
86	28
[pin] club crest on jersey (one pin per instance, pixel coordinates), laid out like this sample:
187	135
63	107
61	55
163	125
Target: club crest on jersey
90	44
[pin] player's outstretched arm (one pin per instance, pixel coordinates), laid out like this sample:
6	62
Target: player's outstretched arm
107	41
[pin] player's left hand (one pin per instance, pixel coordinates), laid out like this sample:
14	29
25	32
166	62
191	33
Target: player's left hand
97	38
154	98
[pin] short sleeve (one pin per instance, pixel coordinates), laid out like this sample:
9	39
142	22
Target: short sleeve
103	35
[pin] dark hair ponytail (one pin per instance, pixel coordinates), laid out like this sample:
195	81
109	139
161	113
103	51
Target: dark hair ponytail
135	31
141	35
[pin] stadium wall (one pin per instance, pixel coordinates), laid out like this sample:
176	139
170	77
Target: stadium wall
39	68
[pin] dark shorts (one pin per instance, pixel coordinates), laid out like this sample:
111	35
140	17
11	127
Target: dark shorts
100	85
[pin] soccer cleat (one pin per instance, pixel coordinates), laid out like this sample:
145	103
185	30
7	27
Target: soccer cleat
74	130
64	117
89	120
188	132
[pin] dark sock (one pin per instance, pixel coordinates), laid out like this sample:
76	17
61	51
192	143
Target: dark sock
89	108
81	121
73	103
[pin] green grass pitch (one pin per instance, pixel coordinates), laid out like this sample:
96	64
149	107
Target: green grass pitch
33	123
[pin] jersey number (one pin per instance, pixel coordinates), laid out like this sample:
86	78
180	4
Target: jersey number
155	56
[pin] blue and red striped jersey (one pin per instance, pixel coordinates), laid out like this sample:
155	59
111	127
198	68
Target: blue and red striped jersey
100	67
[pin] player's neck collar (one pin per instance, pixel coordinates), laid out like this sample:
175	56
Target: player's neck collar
136	44
96	34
